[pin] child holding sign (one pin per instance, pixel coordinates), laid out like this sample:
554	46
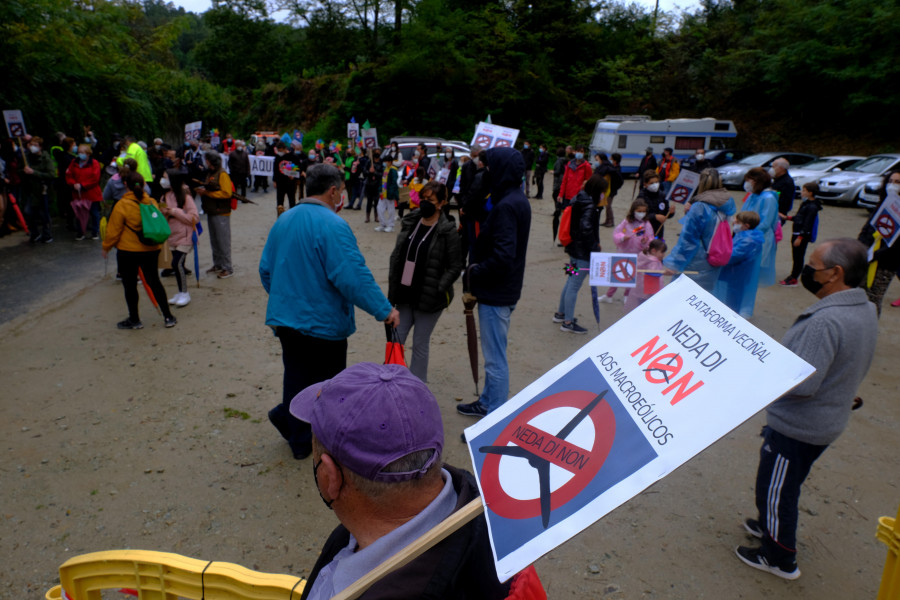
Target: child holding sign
649	274
631	236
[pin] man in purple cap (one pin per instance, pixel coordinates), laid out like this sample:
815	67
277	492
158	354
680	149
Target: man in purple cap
377	441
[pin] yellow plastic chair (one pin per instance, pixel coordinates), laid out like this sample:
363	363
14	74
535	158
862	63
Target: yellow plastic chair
889	533
166	576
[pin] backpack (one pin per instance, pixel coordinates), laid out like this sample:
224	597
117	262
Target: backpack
154	226
565	226
719	252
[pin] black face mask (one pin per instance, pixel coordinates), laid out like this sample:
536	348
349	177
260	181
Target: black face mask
806	278
327	503
428	209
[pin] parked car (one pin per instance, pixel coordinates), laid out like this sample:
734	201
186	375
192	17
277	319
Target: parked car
733	174
869	195
845	187
408	144
717	158
813	171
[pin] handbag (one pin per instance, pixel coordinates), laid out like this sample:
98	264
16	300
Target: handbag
719	252
565	226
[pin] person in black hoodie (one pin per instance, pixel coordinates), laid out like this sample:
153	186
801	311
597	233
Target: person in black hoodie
585	231
497	271
540	170
804	224
528	157
658	209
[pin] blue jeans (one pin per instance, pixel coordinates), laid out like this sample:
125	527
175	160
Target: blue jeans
494	321
570	291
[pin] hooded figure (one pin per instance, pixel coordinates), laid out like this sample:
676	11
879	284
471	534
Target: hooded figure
739	279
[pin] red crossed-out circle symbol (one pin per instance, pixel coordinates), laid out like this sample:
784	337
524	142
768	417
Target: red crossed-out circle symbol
623	270
885	226
680	194
583	471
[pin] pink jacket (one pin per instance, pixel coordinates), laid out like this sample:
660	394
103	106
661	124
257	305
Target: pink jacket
634	244
181	220
645	262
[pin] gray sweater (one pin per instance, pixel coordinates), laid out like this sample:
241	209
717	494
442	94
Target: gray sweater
837	336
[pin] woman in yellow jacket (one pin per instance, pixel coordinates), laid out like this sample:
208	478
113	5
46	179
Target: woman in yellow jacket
132	254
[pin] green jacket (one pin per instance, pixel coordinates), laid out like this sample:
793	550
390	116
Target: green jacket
44	173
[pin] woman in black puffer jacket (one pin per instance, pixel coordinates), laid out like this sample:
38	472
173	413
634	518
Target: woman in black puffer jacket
585	232
424	264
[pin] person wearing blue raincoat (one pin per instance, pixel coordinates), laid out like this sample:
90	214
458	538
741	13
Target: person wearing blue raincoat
764	203
712	205
739	279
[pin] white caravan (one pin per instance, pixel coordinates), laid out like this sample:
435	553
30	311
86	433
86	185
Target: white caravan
631	135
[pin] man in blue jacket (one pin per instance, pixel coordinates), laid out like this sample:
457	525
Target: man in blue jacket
314	274
497	271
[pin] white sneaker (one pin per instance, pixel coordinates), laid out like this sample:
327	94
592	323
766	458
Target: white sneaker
606	299
174	298
183	300
379	228
388	229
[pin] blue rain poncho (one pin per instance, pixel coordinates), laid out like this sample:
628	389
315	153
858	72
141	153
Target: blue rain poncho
766	206
739	279
697	229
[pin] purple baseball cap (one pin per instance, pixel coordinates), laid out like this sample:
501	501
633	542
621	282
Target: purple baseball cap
370	415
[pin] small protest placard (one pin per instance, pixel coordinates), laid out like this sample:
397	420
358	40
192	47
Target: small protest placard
192	131
352	131
370	138
684	186
15	123
617	270
488	135
886	219
639	400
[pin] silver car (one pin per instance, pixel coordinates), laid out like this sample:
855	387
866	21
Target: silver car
733	173
813	171
845	187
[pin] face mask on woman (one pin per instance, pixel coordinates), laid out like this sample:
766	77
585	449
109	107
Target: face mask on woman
312	156
579	155
164	183
428	209
892	188
653	187
82	156
34	149
640	216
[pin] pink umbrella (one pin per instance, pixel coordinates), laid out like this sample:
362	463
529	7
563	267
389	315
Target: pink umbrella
82	209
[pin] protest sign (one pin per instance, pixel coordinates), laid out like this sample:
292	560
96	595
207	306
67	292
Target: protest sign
488	135
370	138
15	123
886	219
352	131
444	175
636	402
192	131
684	186
260	166
617	270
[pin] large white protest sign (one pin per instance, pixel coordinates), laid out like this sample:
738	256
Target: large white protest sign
640	399
886	219
617	270
260	166
15	123
488	135
192	130
684	186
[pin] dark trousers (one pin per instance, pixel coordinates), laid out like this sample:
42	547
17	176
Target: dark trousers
307	360
240	183
539	181
286	189
129	263
178	269
799	254
784	464
371	199
260	181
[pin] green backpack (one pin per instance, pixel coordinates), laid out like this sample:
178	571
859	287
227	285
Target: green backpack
154	226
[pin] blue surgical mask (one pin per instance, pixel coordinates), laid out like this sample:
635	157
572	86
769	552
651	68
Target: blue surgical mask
82	156
579	155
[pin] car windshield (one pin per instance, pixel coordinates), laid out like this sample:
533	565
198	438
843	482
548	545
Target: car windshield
873	164
756	159
821	164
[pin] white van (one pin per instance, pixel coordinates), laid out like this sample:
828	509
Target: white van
631	135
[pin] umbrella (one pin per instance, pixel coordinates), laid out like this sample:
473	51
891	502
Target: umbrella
393	350
15	205
82	209
595	303
148	290
469	302
196	255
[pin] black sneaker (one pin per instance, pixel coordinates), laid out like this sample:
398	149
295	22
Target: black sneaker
472	409
753	557
558	317
167	273
573	327
754	528
170	321
129	324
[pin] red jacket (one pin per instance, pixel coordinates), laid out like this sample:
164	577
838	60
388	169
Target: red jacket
89	178
574	178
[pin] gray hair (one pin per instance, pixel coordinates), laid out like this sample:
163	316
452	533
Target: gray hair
322	177
781	162
410	462
709	180
213	159
850	255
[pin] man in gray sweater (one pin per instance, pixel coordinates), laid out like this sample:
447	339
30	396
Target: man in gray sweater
837	336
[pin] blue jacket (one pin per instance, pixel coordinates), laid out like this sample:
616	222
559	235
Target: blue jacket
314	274
739	279
697	229
766	206
498	263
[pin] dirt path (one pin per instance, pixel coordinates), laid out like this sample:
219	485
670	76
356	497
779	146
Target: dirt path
158	439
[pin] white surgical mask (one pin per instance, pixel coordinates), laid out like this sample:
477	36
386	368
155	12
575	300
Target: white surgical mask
640	216
165	184
34	149
158	147
737	228
772	172
748	187
701	156
312	156
653	187
448	155
892	188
